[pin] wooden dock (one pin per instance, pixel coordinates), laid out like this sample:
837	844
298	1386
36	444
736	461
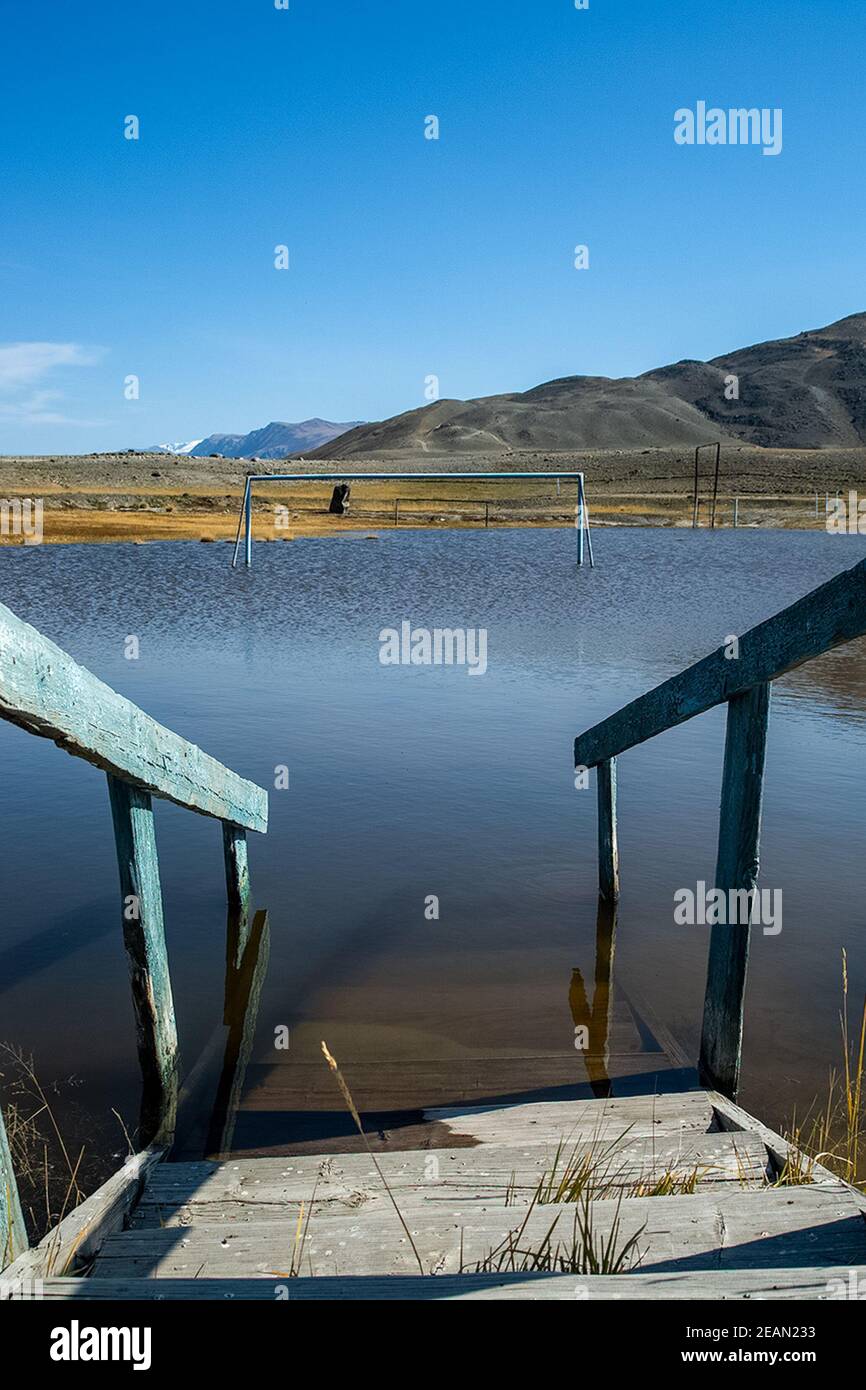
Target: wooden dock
676	1192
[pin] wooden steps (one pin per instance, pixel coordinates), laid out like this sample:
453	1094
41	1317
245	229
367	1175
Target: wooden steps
182	1194
329	1216
775	1227
324	1226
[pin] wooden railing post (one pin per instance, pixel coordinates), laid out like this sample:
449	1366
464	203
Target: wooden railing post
608	851
237	891
736	867
13	1232
144	938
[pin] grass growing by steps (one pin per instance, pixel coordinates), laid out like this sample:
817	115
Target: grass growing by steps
832	1132
582	1250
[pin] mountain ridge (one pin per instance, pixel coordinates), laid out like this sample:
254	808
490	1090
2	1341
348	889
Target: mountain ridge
276	440
805	392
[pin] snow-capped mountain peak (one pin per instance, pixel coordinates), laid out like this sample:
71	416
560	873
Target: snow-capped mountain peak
174	448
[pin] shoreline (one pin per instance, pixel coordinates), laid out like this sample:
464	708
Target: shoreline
106	527
141	498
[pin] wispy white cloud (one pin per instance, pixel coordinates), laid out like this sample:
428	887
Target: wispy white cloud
23	366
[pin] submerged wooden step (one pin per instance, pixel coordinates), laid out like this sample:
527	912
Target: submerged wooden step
419	1084
776	1227
256	1189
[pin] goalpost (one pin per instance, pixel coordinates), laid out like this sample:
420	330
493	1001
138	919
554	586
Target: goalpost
245	518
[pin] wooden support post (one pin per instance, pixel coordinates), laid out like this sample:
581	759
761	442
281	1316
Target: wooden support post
608	851
13	1232
736	867
144	938
237	891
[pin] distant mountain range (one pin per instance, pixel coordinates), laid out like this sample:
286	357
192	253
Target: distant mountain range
274	441
806	392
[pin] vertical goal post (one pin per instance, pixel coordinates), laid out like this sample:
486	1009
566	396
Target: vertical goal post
245	516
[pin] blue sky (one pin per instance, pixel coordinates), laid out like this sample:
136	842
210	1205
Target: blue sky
409	257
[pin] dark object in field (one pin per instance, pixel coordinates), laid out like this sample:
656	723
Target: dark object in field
340	499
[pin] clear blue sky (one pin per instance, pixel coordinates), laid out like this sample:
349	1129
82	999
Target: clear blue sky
409	257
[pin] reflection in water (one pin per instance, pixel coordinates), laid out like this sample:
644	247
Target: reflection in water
243	993
243	990
592	1025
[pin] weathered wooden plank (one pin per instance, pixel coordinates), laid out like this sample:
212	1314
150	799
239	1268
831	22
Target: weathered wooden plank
46	692
13	1232
265	1189
808	1283
549	1122
254	1179
80	1234
144	938
238	894
608	849
781	1228
736	868
825	618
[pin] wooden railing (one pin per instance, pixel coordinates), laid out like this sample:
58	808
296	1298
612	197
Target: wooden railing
825	618
46	692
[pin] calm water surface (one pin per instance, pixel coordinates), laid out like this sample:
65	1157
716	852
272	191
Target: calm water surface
407	782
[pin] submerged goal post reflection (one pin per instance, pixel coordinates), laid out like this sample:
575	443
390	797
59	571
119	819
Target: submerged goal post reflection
245	518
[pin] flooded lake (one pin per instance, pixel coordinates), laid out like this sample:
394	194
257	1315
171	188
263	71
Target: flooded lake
409	784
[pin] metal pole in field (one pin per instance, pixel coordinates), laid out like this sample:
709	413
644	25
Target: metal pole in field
695	508
716	485
580	520
240	524
736	510
248	510
588	531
